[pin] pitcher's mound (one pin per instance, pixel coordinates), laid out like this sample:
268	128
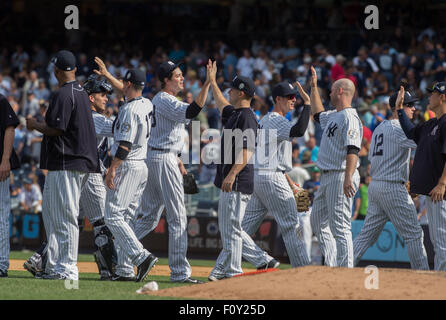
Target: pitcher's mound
319	282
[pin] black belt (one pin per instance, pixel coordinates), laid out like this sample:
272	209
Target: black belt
327	171
158	149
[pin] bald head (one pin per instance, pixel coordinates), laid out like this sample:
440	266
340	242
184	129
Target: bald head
347	86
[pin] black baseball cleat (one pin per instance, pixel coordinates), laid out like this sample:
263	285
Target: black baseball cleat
189	280
3	274
145	267
273	264
117	277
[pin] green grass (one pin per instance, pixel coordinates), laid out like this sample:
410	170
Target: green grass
20	285
24	255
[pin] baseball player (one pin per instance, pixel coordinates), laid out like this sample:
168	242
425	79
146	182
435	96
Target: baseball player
166	171
127	176
69	154
92	199
272	191
338	160
428	174
388	197
234	175
8	162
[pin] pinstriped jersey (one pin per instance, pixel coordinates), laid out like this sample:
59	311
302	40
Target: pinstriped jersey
389	153
133	125
274	149
169	118
103	127
341	129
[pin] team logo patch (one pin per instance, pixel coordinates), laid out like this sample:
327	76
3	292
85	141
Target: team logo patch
434	131
128	75
352	133
442	88
125	127
171	63
241	86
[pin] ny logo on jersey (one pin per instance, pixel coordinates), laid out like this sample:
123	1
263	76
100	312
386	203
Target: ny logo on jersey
331	129
434	131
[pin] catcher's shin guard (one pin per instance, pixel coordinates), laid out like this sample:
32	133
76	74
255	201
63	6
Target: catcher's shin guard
105	254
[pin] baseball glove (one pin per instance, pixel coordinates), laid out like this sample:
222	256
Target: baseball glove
413	195
302	198
190	186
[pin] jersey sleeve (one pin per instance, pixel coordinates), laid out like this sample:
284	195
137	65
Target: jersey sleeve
128	127
402	140
324	117
103	126
172	109
226	114
59	111
8	116
353	131
443	138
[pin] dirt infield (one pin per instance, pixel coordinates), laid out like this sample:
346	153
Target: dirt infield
158	270
320	283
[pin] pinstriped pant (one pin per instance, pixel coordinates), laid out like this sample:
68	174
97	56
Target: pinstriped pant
436	215
5	210
130	181
273	194
165	189
60	211
231	209
331	219
92	201
390	200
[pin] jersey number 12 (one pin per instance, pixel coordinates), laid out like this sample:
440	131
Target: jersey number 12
378	148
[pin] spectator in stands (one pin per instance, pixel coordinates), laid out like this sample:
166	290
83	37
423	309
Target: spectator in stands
314	183
213	116
31	105
245	64
30	196
42	93
312	148
337	71
298	174
363	202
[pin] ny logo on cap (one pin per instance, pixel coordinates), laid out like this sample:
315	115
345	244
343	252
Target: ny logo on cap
291	87
128	75
241	86
171	63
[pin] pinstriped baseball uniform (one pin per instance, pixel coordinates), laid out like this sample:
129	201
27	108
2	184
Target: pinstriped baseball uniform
165	182
132	125
69	158
272	193
331	212
8	118
92	201
388	198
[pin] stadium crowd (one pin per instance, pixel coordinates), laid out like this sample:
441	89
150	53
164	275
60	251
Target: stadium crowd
377	69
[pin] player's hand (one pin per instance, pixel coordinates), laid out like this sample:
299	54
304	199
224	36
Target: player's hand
302	93
101	65
109	178
400	99
211	71
349	188
183	170
5	170
31	123
437	193
313	77
227	183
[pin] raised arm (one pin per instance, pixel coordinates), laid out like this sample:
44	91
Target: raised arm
316	102
406	125
220	100
298	130
117	84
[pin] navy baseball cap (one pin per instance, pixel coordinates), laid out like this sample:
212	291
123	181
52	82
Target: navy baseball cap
166	68
408	99
136	76
283	89
244	84
64	60
439	87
